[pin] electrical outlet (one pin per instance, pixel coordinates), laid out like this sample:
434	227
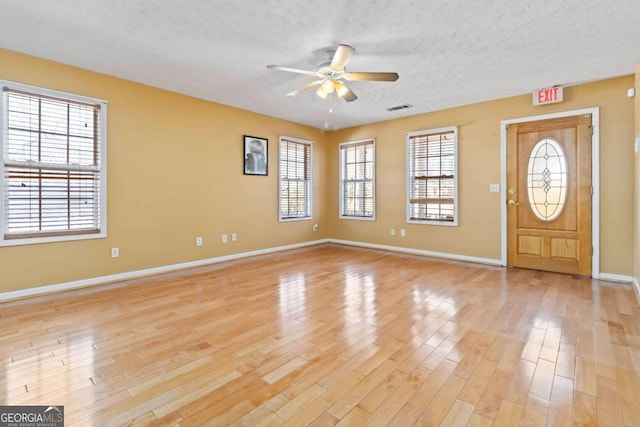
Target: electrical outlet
198	241
393	231
403	232
225	238
234	237
494	188
115	252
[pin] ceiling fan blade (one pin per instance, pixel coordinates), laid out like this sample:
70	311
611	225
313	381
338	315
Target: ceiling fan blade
307	87
372	77
293	70
345	93
349	96
341	57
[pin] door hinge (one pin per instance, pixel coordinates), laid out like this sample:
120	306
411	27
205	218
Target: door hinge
591	250
591	130
592	190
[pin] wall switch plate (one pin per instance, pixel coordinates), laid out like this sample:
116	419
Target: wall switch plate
198	241
115	252
234	237
638	144
393	231
403	232
225	238
315	227
631	92
494	188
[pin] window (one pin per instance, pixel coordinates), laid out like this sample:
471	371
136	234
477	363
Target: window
547	180
295	179
53	171
357	179
432	176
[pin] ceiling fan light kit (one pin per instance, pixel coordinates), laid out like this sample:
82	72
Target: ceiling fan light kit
322	94
331	73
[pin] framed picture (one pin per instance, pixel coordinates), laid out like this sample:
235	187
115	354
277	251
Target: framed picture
255	155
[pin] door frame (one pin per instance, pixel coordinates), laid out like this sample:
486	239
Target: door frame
595	178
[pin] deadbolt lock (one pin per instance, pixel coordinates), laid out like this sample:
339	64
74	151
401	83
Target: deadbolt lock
512	191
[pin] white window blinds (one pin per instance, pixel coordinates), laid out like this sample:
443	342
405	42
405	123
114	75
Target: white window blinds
295	179
357	175
52	165
432	176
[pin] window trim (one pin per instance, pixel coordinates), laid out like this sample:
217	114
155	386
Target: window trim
408	181
81	235
310	198
341	214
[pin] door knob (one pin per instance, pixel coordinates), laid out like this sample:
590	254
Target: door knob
514	203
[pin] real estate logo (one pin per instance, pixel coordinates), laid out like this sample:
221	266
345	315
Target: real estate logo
31	416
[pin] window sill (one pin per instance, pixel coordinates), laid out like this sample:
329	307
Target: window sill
306	218
52	239
425	222
358	218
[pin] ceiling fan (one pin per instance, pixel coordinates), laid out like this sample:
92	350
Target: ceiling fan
331	72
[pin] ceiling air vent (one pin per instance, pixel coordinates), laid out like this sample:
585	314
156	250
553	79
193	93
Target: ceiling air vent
399	107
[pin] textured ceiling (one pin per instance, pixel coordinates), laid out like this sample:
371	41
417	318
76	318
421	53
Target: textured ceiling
447	53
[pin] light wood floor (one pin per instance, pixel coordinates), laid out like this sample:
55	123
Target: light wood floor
330	336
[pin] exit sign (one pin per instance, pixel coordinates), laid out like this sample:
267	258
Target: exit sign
550	95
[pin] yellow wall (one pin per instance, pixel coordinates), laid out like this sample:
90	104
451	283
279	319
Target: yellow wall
637	180
478	233
174	173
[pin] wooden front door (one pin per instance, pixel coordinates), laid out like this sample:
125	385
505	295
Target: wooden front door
549	195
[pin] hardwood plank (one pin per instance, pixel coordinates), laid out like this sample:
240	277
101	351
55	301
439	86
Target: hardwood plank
442	402
348	401
509	414
382	391
284	370
475	386
458	415
397	399
566	362
608	402
585	375
604	358
561	402
535	412
430	387
406	416
267	409
471	360
307	414
585	411
543	379
355	417
493	394
479	421
520	383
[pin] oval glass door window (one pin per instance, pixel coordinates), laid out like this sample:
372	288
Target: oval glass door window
547	180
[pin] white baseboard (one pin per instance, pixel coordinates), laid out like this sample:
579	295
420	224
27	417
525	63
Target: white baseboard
411	251
615	277
40	290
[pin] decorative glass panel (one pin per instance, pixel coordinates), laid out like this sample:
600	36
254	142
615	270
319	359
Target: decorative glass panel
547	180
